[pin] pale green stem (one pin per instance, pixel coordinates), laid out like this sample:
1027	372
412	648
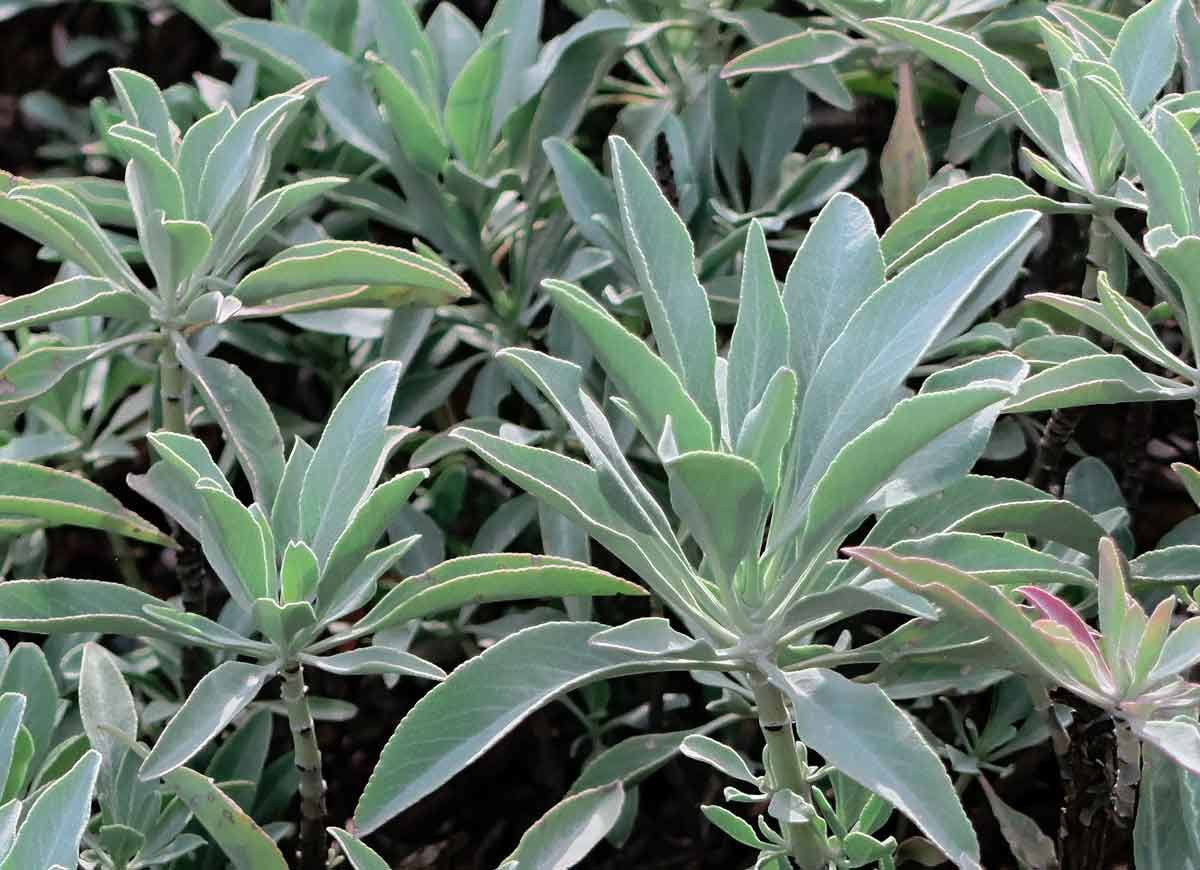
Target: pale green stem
170	387
313	840
805	844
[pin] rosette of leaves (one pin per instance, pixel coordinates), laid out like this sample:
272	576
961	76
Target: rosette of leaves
772	453
200	211
455	115
296	563
1135	668
1091	142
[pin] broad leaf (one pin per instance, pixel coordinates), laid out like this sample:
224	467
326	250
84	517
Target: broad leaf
865	736
217	699
445	731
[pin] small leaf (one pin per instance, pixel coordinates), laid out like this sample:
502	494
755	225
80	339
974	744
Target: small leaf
569	830
904	161
716	754
360	855
735	826
53	826
471	102
219	696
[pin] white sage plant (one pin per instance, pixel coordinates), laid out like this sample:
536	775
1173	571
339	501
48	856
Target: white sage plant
772	452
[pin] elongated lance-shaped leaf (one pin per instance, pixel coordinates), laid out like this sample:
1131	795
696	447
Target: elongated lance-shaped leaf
489	577
569	830
55	217
987	71
889	463
400	277
63	606
986	505
664	259
37	371
761	339
865	736
57	498
1101	379
1160	178
417	125
247	846
985	609
469	105
459	719
267	212
143	105
217	699
838	266
349	458
53	827
365	526
105	706
999	561
245	417
946	213
573	489
1180	257
562	382
12	711
405	46
798	51
1146	51
81	296
860	375
643	379
296	54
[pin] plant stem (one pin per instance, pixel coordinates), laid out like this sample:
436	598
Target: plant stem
1097	787
784	772
1063	421
313	840
170	388
190	567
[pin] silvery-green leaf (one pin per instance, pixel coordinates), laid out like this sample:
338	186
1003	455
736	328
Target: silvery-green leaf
857	729
520	673
53	826
1145	52
105	705
569	830
1166	835
359	854
664	260
219	696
